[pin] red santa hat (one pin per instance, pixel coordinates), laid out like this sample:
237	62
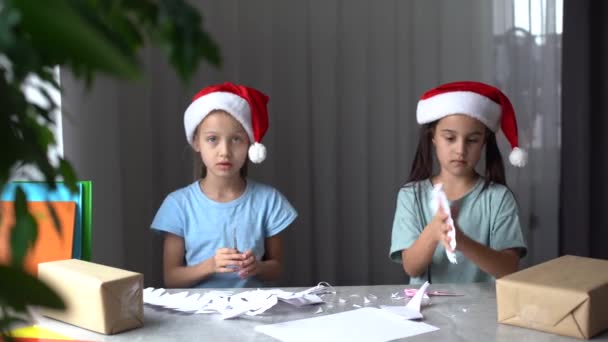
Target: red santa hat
245	104
478	100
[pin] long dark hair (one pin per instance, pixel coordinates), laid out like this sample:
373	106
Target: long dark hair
422	167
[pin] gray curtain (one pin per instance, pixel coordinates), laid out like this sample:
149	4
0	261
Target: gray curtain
343	78
584	191
527	45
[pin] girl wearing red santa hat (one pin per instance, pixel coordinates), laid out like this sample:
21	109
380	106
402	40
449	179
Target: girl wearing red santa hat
223	229
459	120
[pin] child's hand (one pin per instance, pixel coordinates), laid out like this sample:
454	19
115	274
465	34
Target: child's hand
459	234
250	265
227	260
439	228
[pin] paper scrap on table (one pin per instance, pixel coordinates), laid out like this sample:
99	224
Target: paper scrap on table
412	309
412	293
396	296
361	325
440	199
230	305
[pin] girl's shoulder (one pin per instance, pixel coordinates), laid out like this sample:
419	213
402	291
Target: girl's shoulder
497	195
416	186
497	189
185	192
261	189
266	195
415	191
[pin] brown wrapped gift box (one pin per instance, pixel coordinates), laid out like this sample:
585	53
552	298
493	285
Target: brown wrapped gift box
104	299
566	296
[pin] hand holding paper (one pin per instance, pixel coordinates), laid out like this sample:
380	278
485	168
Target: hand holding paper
227	260
439	199
250	265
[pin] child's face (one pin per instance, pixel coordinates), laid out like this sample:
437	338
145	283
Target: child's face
222	143
459	140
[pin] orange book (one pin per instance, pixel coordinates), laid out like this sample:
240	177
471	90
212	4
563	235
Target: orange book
49	245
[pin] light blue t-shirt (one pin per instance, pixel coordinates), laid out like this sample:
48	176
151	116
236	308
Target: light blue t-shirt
206	225
489	217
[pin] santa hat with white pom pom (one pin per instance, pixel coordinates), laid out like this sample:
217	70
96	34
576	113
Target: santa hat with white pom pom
247	105
478	100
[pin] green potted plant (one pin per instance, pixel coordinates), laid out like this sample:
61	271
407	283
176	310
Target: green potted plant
86	37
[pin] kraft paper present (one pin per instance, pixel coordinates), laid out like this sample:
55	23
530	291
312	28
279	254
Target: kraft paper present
100	298
566	296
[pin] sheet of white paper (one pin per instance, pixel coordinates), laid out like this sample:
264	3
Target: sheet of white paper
364	325
402	311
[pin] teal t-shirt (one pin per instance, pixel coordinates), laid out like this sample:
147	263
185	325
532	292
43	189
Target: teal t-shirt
489	217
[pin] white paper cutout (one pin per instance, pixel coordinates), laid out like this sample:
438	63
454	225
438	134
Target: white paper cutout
230	305
412	309
439	197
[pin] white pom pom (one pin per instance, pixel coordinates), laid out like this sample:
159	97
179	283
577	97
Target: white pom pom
257	153
518	157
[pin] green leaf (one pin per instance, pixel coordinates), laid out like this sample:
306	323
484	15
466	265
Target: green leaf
61	27
55	218
19	289
9	18
179	31
69	176
24	232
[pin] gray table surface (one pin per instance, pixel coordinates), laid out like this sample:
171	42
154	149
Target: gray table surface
471	317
